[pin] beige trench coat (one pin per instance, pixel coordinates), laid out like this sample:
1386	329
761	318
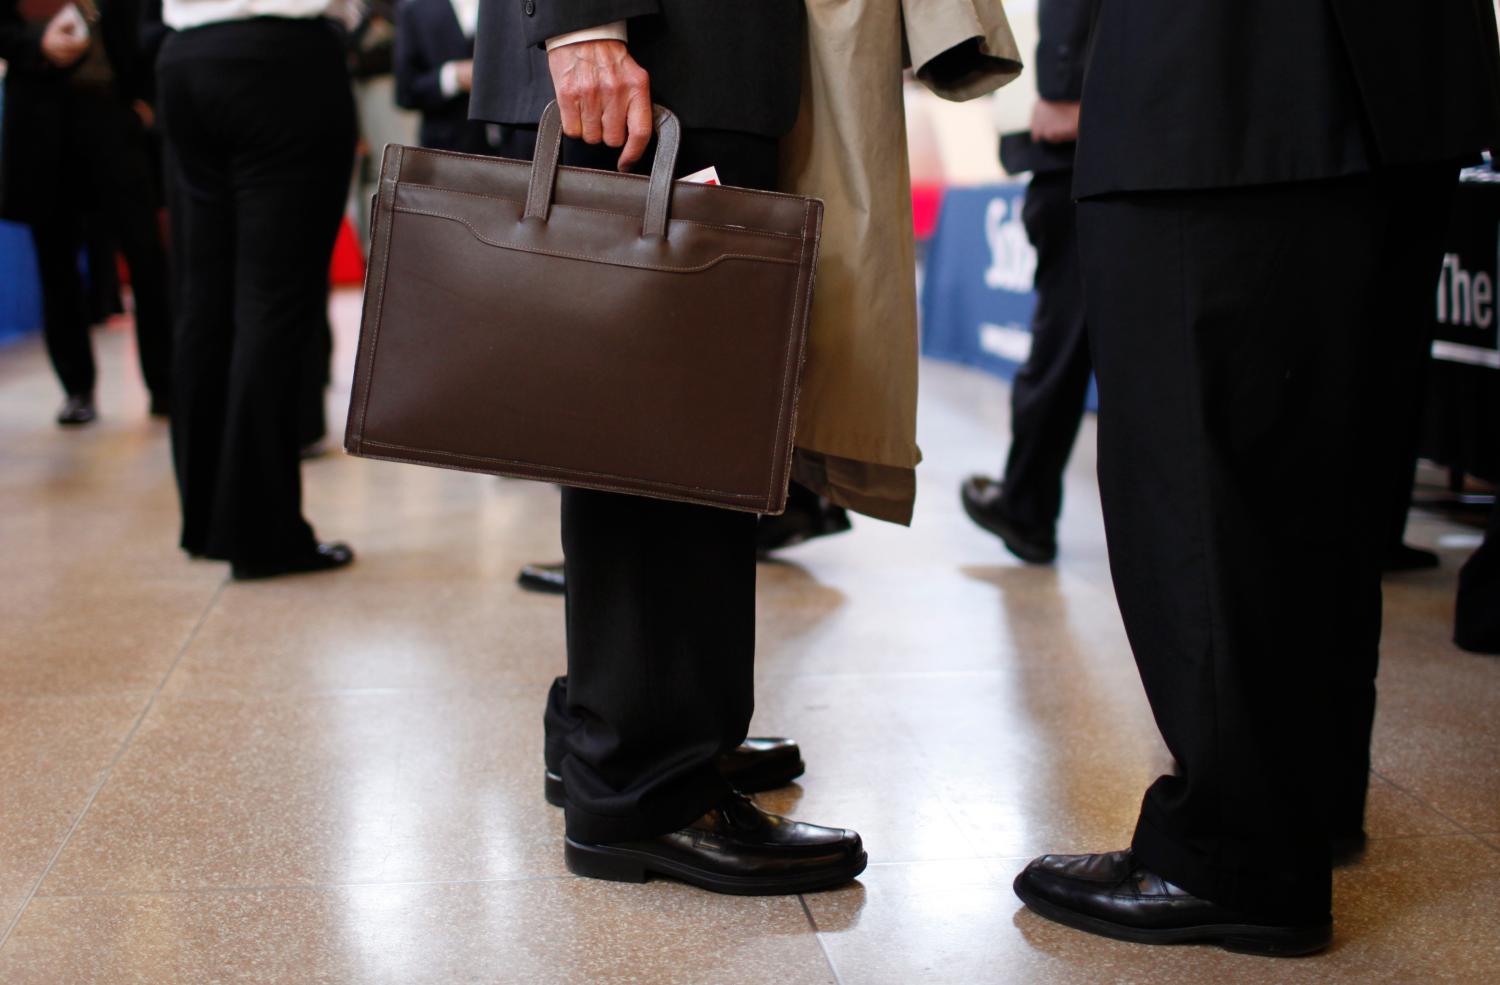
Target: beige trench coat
857	419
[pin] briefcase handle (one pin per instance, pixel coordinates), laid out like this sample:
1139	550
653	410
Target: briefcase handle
659	191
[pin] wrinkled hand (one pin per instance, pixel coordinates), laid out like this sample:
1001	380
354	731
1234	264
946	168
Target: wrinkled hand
65	38
464	71
1054	123
603	95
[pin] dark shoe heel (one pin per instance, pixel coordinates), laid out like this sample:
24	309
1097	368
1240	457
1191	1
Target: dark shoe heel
593	862
554	791
1289	943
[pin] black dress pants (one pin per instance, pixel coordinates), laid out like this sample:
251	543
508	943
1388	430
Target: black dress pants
109	184
660	617
1477	617
1241	363
1048	394
259	123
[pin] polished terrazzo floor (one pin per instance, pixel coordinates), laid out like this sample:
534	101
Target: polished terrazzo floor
336	779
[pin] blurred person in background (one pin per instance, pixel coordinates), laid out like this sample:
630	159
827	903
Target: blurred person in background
76	153
1048	394
1477	619
435	73
259	123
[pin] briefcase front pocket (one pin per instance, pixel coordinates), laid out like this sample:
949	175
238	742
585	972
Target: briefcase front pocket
573	345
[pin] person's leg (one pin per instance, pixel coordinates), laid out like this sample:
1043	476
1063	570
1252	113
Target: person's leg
291	168
203	225
132	202
65	324
1415	205
1476	623
1228	332
660	666
1049	391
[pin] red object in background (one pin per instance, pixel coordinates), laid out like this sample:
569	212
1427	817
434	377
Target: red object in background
348	265
926	202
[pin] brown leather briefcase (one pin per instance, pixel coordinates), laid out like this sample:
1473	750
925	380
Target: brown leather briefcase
588	328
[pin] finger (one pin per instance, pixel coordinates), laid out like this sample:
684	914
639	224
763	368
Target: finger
639	126
592	114
567	105
616	109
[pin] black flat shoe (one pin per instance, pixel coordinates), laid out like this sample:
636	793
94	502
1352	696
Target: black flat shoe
325	557
735	848
77	410
753	767
1404	557
1114	896
981	497
799	525
547	579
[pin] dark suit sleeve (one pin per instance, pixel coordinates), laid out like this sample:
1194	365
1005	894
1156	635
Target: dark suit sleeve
20	42
418	81
1062	47
549	18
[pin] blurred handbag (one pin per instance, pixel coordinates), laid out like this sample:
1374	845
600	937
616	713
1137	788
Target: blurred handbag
588	328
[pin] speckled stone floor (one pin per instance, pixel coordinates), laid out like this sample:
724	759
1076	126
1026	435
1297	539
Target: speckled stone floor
336	779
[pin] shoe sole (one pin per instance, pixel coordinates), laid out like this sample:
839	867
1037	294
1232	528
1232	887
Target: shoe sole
1008	537
1281	942
556	794
626	865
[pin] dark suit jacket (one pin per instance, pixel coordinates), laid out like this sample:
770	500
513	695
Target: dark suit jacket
1188	94
37	97
718	64
427	35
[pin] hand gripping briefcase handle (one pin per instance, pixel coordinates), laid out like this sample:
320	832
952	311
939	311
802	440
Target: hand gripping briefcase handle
619	332
658	194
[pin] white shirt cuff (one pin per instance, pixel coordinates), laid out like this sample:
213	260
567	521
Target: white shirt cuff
448	79
604	32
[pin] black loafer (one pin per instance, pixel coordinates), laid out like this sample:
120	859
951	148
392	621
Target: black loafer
735	848
325	557
982	501
547	579
1115	896
799	525
753	767
77	410
1404	557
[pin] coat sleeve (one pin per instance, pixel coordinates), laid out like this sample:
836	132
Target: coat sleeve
549	18
418	81
960	49
1061	48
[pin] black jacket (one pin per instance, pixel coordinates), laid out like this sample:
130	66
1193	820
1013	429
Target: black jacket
1062	48
37	100
1188	94
427	35
718	64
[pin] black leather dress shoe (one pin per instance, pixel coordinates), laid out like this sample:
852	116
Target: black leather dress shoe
548	579
735	848
982	499
1404	557
77	410
754	766
799	525
1115	896
325	557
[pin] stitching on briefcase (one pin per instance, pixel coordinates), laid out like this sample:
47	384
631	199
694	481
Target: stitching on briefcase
385	266
786	360
563	471
740	230
407	210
